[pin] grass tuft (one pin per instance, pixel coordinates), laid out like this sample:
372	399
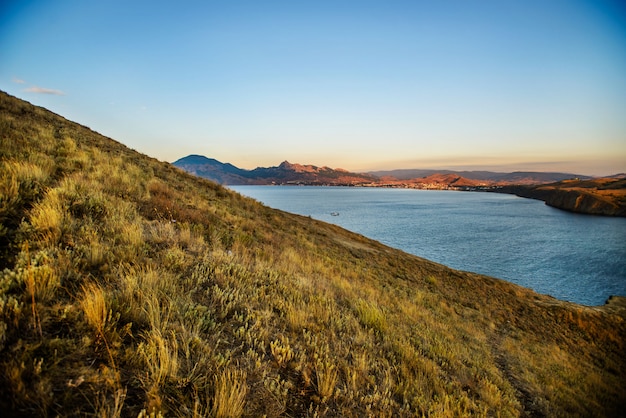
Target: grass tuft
371	315
230	394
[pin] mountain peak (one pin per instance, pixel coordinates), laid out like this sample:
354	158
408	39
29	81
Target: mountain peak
298	168
196	159
285	173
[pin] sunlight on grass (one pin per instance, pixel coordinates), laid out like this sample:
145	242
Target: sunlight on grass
131	288
230	394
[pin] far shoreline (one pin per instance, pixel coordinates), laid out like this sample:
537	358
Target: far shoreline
574	201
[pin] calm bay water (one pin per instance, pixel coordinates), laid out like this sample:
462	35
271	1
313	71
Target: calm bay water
573	257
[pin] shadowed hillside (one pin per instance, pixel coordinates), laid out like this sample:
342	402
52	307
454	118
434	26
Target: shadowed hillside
131	288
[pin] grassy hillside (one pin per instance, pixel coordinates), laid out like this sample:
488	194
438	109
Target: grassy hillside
130	288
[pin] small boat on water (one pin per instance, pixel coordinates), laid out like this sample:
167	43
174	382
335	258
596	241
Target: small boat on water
334	213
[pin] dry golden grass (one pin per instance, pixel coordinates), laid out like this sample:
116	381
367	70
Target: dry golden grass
131	289
371	315
94	305
48	218
230	394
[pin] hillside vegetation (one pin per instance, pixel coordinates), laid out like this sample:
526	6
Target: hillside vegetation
130	288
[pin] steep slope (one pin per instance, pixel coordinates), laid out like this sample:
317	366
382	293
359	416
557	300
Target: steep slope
132	288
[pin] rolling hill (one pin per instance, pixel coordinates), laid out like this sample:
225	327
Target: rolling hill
130	288
287	173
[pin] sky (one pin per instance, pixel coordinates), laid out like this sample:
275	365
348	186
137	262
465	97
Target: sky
362	85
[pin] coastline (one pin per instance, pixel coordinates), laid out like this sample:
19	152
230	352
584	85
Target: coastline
580	200
586	201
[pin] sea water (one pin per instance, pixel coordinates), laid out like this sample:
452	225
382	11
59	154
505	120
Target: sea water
573	257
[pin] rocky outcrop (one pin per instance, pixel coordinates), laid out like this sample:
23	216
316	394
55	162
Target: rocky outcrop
576	200
583	202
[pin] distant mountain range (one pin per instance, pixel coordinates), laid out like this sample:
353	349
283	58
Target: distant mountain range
517	177
285	173
296	174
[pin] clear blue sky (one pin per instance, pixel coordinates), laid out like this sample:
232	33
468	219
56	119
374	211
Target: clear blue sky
361	85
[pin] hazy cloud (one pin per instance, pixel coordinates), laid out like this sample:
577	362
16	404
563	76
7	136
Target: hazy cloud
18	80
43	90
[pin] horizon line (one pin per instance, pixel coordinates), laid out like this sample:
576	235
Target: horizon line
473	168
